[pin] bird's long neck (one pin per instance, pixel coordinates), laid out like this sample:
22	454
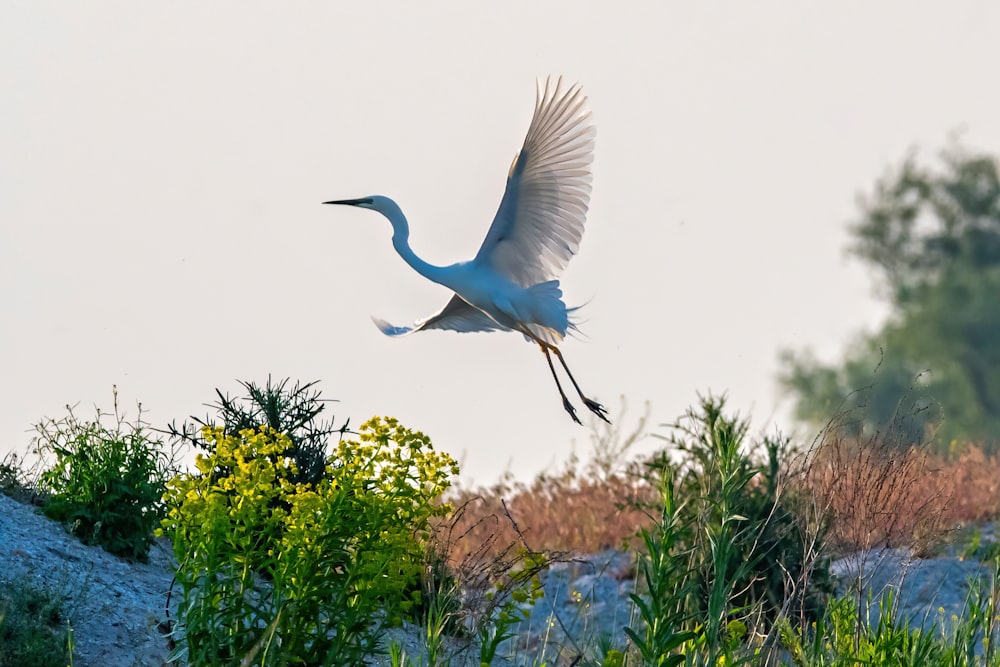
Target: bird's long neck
401	242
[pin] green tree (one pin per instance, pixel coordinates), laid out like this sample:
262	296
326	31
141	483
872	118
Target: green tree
932	235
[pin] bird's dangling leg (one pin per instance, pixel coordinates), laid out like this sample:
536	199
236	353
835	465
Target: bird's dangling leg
592	405
566	404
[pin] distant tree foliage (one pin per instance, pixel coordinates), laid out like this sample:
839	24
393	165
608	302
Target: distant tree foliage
932	235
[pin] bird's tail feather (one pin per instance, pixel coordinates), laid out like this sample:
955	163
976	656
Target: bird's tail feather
573	327
389	329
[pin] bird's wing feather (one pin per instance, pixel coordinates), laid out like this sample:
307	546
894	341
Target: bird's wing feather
539	224
457	315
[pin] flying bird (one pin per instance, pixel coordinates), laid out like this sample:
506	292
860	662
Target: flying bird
512	282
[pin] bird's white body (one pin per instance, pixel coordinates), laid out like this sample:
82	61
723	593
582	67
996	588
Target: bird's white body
537	311
511	284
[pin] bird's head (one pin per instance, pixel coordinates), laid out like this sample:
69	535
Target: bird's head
375	202
383	205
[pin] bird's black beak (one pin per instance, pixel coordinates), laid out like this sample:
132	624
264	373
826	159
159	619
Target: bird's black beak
350	202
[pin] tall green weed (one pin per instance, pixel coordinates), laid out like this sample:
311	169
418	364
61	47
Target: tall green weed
105	483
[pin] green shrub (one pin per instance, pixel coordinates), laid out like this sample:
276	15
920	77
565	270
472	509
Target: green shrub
272	571
726	549
32	631
294	411
106	483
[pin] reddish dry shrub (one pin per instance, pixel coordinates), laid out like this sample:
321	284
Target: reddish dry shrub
584	508
873	493
565	513
973	478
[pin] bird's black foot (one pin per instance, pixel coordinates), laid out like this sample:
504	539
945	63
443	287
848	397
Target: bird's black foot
571	410
597	409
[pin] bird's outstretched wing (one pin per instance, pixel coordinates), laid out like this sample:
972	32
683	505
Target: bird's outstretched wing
541	216
457	315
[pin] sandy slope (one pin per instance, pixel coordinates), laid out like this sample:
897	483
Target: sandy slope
115	607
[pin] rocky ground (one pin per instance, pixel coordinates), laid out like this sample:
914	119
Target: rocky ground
118	609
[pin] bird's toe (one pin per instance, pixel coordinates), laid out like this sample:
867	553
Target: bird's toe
571	410
597	409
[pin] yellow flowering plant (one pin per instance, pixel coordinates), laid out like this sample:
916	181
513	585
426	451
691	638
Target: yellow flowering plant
273	571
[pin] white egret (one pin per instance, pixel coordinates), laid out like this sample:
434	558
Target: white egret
511	284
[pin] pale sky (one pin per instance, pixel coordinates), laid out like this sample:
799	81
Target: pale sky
162	167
